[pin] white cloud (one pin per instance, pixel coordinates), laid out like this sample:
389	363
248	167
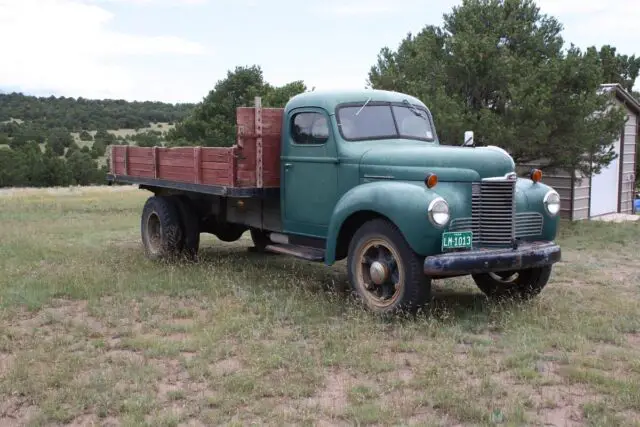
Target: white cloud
147	2
355	8
596	23
66	46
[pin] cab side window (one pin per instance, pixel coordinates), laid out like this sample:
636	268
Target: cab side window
309	128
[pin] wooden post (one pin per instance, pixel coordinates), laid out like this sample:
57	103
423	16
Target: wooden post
231	161
197	164
258	127
126	160
155	162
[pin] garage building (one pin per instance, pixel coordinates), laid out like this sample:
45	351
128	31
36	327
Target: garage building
613	189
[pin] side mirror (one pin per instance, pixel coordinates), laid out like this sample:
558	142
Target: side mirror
468	139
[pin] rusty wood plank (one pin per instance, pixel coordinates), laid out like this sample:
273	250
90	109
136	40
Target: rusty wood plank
215	165
155	162
180	161
126	160
216	154
258	128
197	164
232	167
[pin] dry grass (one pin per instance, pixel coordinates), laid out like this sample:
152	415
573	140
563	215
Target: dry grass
91	332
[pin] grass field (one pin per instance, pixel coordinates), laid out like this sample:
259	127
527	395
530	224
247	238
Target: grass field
92	332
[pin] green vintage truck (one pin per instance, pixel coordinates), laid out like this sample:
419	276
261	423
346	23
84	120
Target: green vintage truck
355	175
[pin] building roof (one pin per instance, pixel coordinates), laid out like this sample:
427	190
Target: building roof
623	96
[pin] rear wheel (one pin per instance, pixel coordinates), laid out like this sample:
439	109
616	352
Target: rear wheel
190	224
519	285
160	228
384	272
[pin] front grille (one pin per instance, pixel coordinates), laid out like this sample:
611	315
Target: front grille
493	220
492	209
528	224
492	214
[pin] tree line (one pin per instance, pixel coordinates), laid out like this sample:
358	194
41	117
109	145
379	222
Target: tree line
498	67
88	114
33	156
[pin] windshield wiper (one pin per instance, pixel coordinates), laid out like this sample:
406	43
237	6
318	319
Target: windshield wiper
364	105
413	109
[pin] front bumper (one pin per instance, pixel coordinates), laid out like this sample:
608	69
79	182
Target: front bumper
527	255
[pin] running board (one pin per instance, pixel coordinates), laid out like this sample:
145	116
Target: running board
302	252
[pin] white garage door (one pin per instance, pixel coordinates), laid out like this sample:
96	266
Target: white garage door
604	187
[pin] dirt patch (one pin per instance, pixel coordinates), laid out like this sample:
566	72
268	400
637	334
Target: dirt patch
124	356
72	313
16	411
405	363
226	366
6	360
334	396
87	420
634	340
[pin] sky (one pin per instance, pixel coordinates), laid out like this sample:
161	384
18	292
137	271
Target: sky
176	50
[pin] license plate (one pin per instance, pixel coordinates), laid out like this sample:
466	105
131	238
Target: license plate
457	240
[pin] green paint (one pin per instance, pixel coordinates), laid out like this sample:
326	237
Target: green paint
330	177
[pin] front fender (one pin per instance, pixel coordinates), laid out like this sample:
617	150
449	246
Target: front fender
403	203
534	193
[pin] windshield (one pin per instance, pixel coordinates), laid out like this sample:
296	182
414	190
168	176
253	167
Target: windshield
373	121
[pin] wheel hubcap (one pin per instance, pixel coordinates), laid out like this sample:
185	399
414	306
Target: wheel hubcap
378	272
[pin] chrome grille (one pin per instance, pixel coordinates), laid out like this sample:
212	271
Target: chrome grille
493	209
528	224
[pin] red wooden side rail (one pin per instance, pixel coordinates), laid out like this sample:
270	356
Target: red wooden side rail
254	161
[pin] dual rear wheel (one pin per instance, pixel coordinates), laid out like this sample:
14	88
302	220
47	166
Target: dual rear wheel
169	228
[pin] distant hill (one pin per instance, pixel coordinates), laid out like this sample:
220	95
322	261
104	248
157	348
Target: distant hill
77	114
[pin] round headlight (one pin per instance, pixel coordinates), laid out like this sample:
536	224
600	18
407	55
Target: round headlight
439	211
552	202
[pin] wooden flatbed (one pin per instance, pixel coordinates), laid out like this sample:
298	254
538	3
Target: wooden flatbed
249	168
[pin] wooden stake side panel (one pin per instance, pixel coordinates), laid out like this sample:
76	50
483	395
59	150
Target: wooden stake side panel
197	165
247	140
235	166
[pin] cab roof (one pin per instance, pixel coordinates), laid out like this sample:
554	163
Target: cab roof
329	99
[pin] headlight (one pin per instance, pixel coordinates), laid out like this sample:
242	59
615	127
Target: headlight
552	202
439	211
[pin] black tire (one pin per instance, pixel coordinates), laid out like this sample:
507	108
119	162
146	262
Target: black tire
190	224
380	241
526	284
160	228
260	239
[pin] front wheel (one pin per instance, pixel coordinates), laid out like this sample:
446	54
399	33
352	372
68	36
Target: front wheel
519	285
384	272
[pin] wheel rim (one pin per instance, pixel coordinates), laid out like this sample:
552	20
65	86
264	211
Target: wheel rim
154	233
378	273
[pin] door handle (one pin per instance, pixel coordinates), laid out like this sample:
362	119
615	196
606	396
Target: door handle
288	166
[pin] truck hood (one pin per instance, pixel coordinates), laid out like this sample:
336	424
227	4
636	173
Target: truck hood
412	162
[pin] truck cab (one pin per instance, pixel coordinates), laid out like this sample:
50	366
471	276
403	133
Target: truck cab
363	177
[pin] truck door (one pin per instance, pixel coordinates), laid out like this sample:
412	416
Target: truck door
309	171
